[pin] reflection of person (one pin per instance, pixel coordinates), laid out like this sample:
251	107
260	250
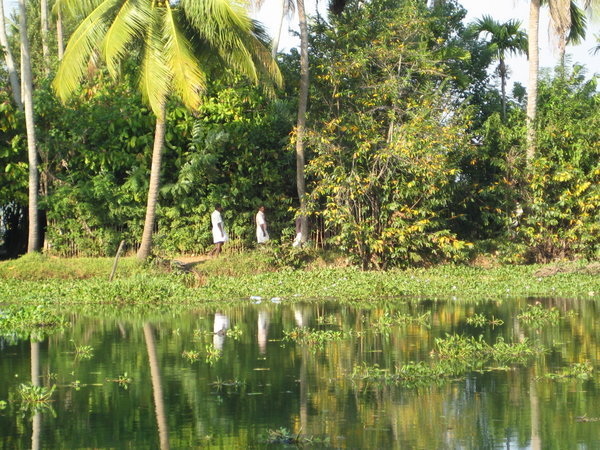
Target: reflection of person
220	327
262	235
263	331
298	239
218	230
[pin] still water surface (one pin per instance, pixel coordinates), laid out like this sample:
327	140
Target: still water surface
132	387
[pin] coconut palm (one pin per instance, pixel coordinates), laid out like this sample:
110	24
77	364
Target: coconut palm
178	41
27	88
336	7
504	39
568	25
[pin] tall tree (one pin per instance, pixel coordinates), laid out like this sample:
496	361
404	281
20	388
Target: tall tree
179	42
336	7
568	25
301	123
27	86
44	32
532	83
10	63
504	38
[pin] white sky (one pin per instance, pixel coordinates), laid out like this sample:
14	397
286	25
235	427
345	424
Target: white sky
501	10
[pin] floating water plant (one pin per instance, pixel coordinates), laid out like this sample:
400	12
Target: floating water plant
577	371
479	320
122	380
311	337
84	351
213	354
538	316
191	355
35	397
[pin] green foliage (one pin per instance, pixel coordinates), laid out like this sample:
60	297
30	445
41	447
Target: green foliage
537	316
35	397
564	216
385	143
576	371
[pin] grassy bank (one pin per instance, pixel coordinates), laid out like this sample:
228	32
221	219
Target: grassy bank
72	282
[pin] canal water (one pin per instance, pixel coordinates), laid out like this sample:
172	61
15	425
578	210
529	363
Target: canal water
266	374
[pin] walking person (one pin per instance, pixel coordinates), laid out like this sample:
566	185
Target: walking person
218	230
262	235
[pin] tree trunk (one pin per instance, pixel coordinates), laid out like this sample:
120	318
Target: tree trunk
44	30
275	44
300	127
159	142
10	62
33	239
159	404
534	62
502	72
59	36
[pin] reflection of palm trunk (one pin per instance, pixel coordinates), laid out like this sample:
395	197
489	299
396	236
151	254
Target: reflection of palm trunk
159	406
35	380
534	403
303	392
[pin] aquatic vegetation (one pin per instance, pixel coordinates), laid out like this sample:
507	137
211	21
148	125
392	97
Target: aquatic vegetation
313	338
235	332
3	404
212	354
191	355
480	320
84	351
576	371
220	384
283	436
35	397
122	380
329	319
386	321
537	316
453	357
30	320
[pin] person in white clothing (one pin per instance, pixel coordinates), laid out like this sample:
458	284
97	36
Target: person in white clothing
262	235
218	230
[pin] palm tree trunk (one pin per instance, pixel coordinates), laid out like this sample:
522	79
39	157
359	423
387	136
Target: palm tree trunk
301	125
10	63
534	63
159	142
44	30
59	35
27	84
159	404
502	71
275	44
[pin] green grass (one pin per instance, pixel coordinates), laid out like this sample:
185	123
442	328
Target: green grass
35	266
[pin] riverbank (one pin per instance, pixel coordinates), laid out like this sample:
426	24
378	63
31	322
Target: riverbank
35	279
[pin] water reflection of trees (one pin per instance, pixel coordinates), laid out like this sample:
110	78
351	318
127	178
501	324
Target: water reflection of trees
311	391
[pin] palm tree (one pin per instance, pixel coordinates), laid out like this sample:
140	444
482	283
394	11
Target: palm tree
505	38
178	42
44	32
568	24
10	63
27	87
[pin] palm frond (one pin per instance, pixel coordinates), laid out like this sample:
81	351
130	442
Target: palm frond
131	20
84	40
155	77
188	79
75	8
